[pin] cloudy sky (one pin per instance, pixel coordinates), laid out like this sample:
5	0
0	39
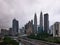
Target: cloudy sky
23	10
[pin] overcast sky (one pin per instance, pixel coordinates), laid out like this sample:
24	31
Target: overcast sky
23	11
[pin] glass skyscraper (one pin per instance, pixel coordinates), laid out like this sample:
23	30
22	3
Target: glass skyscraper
15	26
35	24
46	23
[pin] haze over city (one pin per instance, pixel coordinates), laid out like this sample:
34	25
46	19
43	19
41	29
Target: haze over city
24	10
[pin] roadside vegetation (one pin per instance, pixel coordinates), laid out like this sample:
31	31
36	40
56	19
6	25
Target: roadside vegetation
8	41
45	37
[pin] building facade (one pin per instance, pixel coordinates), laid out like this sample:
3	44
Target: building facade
46	23
22	31
10	32
15	27
40	28
41	20
28	28
56	29
51	30
35	24
4	32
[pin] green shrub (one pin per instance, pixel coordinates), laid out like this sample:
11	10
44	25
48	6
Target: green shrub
8	40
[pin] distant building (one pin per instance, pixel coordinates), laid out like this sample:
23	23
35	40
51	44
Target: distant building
29	28
4	32
41	20
56	29
46	23
32	26
35	24
51	30
22	31
10	32
15	27
40	28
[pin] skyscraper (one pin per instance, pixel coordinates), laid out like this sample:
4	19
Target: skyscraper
40	28
41	20
35	24
46	23
15	27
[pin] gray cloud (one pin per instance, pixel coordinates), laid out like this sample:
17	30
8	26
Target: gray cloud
23	10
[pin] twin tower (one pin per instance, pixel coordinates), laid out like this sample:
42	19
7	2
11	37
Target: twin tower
43	23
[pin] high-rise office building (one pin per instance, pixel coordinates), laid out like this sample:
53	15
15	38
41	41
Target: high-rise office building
15	27
40	28
41	20
46	23
35	24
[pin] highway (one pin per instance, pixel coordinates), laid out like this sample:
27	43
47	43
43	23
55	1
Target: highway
27	41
